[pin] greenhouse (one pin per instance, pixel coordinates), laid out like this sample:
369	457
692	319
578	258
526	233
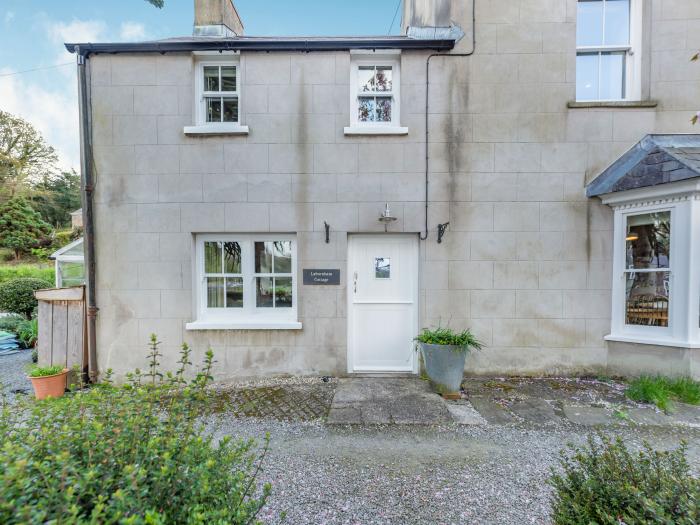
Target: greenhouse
70	264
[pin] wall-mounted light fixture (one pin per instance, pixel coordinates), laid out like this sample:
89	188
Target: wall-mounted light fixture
328	231
386	217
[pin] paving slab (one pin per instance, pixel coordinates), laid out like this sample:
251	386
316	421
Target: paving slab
465	414
588	416
534	411
685	415
648	416
492	412
387	401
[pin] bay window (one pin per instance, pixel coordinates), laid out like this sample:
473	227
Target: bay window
245	281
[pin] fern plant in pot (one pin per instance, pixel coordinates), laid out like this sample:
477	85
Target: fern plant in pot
444	353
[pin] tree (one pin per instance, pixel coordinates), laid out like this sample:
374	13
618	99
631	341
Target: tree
25	157
21	227
56	197
158	3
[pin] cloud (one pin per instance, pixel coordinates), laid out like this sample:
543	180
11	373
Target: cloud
76	31
132	31
54	112
9	16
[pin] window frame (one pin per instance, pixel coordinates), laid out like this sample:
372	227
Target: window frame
392	61
202	95
250	316
631	82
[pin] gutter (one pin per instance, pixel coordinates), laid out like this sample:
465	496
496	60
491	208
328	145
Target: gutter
243	44
87	186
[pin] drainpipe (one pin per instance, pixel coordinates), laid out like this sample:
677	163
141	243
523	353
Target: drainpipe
87	188
424	236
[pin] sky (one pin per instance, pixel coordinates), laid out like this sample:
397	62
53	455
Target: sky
32	33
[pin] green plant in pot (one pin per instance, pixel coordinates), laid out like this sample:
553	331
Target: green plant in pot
444	352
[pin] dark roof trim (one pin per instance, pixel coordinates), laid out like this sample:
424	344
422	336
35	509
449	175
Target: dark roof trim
262	44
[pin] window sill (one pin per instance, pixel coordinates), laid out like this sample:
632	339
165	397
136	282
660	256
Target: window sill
651	341
243	325
216	129
375	130
573	104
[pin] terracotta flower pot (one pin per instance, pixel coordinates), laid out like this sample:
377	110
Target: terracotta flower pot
50	386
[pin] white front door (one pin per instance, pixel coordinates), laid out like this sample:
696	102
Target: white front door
382	302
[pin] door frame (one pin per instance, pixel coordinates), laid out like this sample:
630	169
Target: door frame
349	301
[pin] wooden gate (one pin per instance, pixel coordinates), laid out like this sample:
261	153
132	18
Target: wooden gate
62	329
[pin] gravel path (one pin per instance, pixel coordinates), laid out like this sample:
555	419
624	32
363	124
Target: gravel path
418	474
13	373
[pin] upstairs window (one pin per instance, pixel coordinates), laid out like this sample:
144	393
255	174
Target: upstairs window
219	96
604	50
374	93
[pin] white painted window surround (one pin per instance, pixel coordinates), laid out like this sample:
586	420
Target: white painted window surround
682	200
370	96
202	125
246	308
609	43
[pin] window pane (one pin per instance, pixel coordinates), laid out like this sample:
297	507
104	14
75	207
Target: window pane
234	292
283	292
383	109
213	109
263	257
211	78
283	256
230	110
589	23
365	78
647	298
232	257
228	78
366	109
383	79
263	292
215	292
617	22
382	267
612	75
212	257
587	76
648	240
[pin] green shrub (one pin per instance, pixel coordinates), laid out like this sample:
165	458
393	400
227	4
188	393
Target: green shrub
606	484
28	332
17	295
136	454
12	323
44	371
447	336
9	272
662	390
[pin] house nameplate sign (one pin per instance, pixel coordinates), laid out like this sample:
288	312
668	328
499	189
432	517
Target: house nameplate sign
321	276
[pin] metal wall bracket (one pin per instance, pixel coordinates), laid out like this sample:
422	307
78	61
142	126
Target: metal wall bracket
328	231
441	231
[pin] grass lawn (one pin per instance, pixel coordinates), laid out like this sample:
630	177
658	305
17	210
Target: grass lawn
43	270
661	391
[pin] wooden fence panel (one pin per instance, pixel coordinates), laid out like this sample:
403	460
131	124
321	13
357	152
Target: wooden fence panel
45	337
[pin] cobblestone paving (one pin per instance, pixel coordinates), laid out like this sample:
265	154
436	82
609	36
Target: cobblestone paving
283	402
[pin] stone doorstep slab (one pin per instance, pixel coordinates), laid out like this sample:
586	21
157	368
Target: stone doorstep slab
492	412
534	411
588	416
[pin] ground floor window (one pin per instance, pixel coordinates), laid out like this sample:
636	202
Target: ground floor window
245	278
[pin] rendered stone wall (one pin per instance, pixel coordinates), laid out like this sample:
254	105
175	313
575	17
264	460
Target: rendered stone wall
526	261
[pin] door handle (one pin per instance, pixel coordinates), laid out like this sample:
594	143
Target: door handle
354	282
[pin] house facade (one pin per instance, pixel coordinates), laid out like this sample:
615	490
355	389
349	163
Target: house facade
266	197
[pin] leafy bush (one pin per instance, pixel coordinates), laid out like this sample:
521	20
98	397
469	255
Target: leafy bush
44	371
447	336
46	273
136	454
28	332
21	227
17	295
662	390
605	483
12	323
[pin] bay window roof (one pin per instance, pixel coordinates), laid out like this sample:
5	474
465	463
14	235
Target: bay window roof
656	159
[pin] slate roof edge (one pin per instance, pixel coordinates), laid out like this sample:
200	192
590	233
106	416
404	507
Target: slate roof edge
262	44
605	181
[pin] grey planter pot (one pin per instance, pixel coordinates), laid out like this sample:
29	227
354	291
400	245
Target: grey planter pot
444	365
